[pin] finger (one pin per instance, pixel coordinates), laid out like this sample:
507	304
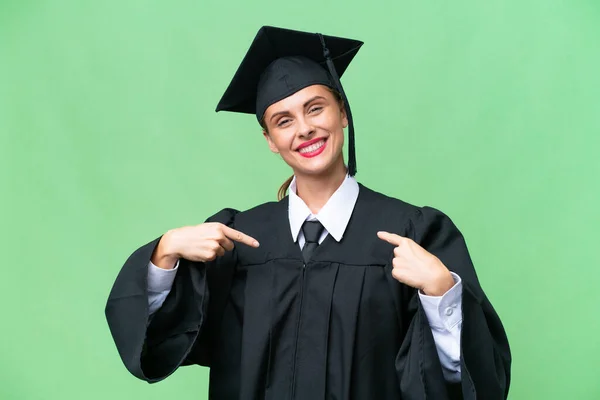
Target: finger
397	263
391	238
208	255
226	243
399	251
239	237
402	276
398	275
220	251
214	250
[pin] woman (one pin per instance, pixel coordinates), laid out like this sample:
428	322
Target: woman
349	295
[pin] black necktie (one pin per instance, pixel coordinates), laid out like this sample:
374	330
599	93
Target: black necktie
312	232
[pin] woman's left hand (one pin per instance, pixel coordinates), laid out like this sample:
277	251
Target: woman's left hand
416	267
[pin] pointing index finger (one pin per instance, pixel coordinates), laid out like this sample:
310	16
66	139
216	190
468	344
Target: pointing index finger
240	237
391	238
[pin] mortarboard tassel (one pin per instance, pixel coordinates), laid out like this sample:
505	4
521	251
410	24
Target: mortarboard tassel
336	79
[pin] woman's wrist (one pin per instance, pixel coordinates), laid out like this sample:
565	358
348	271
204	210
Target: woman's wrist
164	255
439	287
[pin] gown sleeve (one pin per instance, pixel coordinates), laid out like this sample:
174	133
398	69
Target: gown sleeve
485	354
182	330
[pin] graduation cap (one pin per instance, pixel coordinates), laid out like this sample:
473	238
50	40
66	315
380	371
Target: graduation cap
281	62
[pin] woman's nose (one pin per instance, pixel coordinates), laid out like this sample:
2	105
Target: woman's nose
304	128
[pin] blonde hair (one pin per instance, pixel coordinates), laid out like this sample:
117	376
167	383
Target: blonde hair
282	192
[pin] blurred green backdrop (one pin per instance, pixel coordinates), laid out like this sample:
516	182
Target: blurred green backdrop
488	110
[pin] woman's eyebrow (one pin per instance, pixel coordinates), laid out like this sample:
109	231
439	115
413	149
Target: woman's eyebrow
304	105
313	99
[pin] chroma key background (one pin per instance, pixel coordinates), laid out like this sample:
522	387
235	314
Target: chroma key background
487	110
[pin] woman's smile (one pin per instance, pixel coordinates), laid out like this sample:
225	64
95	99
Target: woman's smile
312	148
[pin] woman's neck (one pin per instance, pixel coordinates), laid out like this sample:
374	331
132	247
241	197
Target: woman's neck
316	190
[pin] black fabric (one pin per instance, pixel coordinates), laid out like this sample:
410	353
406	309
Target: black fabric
284	77
336	79
271	326
312	231
280	62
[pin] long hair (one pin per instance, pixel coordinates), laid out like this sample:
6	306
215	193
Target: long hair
282	192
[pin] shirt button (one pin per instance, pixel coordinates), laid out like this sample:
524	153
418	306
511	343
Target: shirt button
449	311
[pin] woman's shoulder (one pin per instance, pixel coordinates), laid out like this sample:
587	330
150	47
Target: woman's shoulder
378	199
261	214
391	206
264	211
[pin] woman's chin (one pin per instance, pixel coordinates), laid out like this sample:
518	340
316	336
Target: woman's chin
317	167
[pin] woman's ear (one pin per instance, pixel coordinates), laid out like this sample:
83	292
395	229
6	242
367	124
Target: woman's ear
270	142
344	115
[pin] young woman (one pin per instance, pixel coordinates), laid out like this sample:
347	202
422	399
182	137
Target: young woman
333	292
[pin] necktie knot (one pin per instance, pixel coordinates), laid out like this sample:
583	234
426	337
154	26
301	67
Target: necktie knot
312	231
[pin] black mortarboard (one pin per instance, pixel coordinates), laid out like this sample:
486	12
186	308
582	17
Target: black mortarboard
281	62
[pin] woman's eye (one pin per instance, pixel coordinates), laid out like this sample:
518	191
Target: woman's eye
315	109
283	122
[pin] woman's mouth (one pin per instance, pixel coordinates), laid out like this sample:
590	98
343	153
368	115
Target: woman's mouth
312	148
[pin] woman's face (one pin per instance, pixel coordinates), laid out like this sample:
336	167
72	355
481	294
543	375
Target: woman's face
307	130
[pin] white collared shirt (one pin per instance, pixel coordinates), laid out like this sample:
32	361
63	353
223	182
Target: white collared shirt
334	216
444	313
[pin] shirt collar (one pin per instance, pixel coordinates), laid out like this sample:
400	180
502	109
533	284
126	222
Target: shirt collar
334	215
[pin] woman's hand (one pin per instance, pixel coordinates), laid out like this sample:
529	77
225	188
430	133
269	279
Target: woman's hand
416	267
202	243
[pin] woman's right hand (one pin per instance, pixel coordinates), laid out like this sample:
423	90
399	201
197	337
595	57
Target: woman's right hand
202	243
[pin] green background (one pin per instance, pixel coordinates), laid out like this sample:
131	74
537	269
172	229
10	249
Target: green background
488	110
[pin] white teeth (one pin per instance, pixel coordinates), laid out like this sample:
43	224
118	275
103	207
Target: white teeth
312	147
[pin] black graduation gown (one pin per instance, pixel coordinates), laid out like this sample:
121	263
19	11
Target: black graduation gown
339	327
